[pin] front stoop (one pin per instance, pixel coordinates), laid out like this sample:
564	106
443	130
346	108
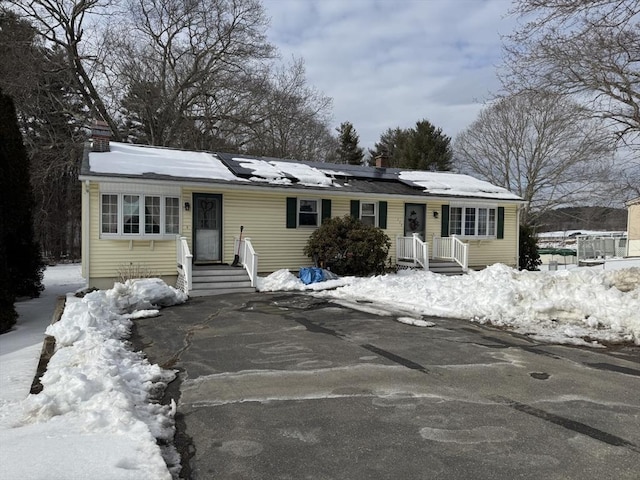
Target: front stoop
445	267
210	280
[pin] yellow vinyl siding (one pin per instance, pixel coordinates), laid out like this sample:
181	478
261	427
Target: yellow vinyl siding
481	252
263	215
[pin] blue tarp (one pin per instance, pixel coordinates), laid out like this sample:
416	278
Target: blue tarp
311	275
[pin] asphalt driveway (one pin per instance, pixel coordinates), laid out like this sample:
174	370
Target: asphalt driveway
288	386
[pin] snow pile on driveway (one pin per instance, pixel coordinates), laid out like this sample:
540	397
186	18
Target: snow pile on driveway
284	280
581	306
96	388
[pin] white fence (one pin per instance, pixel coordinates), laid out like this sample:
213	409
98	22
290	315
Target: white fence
599	247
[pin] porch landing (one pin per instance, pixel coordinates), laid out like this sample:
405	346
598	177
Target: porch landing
442	267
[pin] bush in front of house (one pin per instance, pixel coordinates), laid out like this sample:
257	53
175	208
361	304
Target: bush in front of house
347	246
529	256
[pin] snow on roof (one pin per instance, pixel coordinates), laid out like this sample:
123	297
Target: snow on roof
140	160
280	173
127	159
440	183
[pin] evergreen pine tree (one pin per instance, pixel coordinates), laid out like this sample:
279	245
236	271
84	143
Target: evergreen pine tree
348	150
423	147
8	314
24	264
529	256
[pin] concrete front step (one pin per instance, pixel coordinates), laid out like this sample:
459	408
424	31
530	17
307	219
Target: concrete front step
445	268
234	284
219	280
219	272
220	291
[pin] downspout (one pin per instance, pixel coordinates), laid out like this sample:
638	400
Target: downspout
86	229
518	237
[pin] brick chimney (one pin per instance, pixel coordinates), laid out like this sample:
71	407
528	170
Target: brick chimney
382	160
100	134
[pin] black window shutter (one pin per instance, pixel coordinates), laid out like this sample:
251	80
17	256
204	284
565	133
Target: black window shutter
444	221
500	222
292	214
326	208
355	208
382	214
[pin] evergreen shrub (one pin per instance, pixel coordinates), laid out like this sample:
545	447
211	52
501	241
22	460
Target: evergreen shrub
529	256
349	247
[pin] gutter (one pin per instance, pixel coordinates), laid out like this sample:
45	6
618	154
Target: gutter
86	230
338	192
519	211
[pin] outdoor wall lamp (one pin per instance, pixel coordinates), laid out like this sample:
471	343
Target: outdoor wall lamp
435	214
187	206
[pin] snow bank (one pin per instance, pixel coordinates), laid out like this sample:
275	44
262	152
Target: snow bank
284	280
95	386
577	306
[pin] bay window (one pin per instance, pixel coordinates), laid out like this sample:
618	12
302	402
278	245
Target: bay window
473	221
132	215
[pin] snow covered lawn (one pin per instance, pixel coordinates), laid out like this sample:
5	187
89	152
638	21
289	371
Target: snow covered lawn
97	416
582	306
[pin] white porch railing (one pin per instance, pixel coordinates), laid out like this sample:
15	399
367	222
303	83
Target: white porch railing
248	258
412	251
451	248
184	261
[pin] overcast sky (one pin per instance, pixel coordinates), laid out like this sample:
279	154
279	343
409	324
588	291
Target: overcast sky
390	63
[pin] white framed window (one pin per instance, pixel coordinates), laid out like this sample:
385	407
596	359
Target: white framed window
136	216
171	215
308	213
472	221
109	216
369	213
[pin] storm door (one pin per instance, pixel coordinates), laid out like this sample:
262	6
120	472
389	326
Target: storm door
207	227
415	216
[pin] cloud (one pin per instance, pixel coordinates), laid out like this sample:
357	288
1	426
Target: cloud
389	63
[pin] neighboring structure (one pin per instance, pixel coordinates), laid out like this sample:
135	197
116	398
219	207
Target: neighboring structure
154	207
633	228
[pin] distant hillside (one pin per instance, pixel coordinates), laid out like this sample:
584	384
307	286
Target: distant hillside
584	218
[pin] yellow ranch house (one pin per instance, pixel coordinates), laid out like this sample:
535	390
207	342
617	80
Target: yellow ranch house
212	222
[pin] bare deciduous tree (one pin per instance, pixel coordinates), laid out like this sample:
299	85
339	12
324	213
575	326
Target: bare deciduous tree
68	24
543	147
589	48
288	118
178	59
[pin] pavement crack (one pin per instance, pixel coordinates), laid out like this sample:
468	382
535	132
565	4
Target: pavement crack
315	328
405	362
614	368
187	341
572	425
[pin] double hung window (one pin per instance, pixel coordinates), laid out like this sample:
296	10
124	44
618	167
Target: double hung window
368	213
308	213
